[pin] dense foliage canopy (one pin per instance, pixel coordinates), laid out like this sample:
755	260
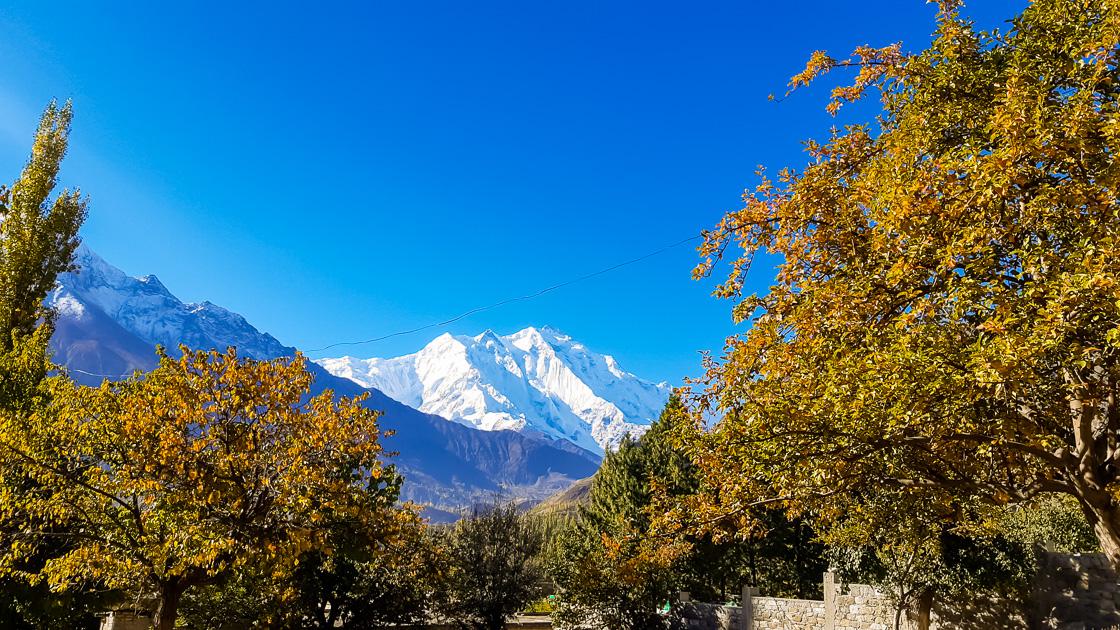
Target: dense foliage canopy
173	479
946	321
617	570
37	236
37	239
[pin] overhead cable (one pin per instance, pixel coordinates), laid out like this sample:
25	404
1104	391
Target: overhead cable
510	300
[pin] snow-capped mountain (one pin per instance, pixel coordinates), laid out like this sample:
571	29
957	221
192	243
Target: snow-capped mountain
145	308
533	381
109	324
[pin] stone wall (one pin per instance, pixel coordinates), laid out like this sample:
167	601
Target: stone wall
688	615
795	614
126	620
1071	592
1076	592
982	612
860	608
766	612
863	608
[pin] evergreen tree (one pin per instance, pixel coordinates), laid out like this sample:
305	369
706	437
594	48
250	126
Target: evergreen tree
622	488
616	571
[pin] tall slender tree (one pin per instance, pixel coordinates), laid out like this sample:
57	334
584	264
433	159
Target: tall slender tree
37	241
37	236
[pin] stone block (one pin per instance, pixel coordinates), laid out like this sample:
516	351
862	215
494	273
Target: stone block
126	620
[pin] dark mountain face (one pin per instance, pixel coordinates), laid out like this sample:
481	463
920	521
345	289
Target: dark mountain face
451	465
93	347
445	464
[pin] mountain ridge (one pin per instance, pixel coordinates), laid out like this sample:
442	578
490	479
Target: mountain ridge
109	325
147	309
537	380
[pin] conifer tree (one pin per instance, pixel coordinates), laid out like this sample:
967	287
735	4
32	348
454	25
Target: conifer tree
617	568
622	488
608	577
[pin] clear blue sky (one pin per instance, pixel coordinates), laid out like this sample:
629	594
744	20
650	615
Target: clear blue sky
339	171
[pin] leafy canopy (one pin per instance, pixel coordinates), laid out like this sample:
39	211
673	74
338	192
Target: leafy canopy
946	321
37	240
37	236
173	479
611	573
496	569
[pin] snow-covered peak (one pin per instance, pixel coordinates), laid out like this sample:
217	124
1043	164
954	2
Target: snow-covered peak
537	380
147	309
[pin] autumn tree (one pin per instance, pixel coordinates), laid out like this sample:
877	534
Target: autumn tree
38	236
902	545
612	579
364	582
610	572
946	319
174	479
609	577
37	241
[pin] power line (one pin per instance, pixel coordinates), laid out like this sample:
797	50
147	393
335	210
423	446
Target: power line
517	299
470	312
72	369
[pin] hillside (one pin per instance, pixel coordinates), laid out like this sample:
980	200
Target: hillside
567	501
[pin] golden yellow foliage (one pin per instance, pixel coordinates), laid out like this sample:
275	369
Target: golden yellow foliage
947	315
37	237
172	479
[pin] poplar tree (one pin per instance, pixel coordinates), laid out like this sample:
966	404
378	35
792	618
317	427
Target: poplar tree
37	236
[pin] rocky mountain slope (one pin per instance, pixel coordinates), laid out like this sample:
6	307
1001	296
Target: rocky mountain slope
567	502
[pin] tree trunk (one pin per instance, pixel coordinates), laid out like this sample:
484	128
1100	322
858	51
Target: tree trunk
754	569
798	573
167	608
495	621
925	605
1106	525
1103	516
